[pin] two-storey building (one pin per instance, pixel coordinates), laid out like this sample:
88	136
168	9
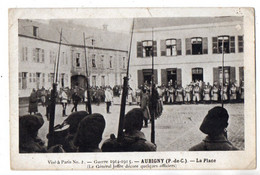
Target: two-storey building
187	49
106	53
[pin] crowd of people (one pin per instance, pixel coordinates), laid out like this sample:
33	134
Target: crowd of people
201	92
84	134
84	131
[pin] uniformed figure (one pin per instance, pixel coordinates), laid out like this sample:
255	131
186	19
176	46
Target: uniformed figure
179	94
160	102
196	94
171	92
163	93
187	94
134	139
153	104
241	91
86	99
29	142
224	92
108	98
43	95
145	107
166	94
64	102
206	94
89	133
130	96
138	95
233	93
214	125
76	99
33	102
66	137
214	93
48	104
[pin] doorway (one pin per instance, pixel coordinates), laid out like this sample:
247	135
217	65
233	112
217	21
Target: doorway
171	76
197	74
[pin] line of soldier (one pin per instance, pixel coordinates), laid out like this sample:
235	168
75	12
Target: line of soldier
199	92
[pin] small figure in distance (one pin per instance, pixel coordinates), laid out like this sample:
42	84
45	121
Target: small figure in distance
214	125
89	133
134	139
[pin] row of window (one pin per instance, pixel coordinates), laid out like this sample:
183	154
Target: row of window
194	46
172	76
38	55
101	62
39	79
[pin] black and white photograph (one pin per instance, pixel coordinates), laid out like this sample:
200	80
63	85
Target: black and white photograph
137	84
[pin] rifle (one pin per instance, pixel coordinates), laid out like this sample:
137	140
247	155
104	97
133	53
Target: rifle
153	113
124	93
53	99
87	77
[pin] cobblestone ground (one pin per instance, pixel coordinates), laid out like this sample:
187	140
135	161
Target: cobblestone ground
176	130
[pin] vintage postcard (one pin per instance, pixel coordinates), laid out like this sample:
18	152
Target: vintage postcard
132	88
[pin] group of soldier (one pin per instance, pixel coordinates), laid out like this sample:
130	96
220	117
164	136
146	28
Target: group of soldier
82	132
200	92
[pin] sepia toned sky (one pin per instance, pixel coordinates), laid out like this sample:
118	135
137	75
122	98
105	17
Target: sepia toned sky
124	24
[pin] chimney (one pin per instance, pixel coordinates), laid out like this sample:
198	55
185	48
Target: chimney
105	27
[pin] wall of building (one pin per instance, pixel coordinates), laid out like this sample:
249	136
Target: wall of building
45	67
183	61
105	73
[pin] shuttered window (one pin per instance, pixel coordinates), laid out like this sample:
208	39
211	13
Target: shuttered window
140	77
179	47
93	61
164	76
77	59
146	48
188	46
34	54
205	45
228	41
232	44
196	46
24	54
155	48
170	47
20	80
24	80
139	49
214	45
240	44
179	77
43	56
163	47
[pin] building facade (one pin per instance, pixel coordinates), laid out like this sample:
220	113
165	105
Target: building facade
106	67
38	53
187	53
37	56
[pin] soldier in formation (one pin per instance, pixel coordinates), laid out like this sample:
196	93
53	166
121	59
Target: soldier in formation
133	139
214	125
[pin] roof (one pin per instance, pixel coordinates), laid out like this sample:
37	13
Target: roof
73	33
144	23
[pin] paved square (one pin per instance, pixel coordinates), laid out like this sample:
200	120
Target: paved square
176	130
